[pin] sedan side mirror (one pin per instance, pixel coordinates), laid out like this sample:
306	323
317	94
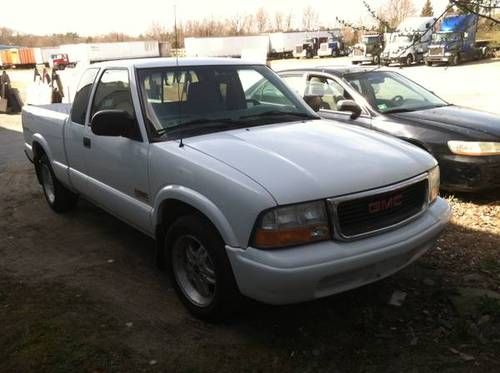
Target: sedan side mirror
351	106
113	123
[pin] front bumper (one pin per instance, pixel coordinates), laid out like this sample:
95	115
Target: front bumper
438	59
392	59
469	174
314	271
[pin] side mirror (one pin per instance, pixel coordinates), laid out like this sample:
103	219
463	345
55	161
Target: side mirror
112	123
351	106
314	102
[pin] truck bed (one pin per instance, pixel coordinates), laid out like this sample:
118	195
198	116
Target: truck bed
46	123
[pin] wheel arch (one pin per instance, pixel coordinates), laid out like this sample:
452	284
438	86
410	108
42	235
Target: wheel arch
174	201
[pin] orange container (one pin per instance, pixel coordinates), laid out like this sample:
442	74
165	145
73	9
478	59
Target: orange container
10	57
27	56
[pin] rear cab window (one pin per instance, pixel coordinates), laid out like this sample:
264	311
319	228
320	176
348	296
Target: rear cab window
82	96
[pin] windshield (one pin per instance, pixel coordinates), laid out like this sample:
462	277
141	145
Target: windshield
214	98
391	92
369	39
402	39
448	36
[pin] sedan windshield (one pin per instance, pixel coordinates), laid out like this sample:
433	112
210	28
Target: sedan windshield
201	99
389	92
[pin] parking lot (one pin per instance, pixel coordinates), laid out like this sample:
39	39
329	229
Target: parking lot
80	292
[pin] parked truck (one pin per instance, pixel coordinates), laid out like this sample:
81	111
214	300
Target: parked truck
455	41
334	46
369	49
246	190
409	43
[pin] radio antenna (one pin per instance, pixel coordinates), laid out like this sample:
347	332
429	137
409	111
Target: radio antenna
176	35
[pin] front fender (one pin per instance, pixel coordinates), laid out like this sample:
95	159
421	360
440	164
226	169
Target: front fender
199	202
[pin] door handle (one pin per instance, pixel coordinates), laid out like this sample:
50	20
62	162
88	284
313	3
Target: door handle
86	142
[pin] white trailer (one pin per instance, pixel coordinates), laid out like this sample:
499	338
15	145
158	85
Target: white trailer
282	44
226	46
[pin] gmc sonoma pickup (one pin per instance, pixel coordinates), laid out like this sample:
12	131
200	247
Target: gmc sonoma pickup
243	196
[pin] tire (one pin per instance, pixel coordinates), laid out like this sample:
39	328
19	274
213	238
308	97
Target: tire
376	60
428	63
199	268
59	198
455	60
409	60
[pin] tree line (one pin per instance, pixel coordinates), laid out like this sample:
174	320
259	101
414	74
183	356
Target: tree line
384	19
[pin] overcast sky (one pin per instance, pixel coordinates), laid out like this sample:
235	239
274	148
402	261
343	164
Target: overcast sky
92	17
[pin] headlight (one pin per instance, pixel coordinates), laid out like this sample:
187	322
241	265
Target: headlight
292	225
474	148
447	54
433	184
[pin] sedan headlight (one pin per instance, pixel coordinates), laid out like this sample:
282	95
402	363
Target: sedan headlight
447	54
474	148
292	225
434	180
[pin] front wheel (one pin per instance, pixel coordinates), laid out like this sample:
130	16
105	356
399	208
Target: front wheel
455	60
376	59
59	198
199	268
409	60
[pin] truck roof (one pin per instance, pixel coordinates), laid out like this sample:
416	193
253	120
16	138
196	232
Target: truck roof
145	63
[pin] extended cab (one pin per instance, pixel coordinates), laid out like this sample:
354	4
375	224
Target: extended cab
247	191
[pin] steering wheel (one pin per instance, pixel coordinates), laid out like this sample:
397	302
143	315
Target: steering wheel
253	101
397	100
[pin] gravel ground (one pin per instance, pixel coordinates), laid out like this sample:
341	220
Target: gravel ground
80	292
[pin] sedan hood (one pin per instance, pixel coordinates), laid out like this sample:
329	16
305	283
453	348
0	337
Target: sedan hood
471	123
316	159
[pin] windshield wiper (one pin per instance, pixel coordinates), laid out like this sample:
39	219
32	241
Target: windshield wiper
400	110
195	124
276	113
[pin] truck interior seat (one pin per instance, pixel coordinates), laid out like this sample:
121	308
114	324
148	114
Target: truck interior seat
204	97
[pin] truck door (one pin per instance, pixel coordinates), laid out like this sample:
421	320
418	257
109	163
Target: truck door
330	92
76	130
118	166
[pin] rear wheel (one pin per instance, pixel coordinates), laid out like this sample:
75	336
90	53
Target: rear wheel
376	59
409	60
199	268
59	198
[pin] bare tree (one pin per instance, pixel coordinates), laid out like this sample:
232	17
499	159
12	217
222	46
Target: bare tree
261	19
427	10
395	11
309	18
288	21
279	20
237	24
157	32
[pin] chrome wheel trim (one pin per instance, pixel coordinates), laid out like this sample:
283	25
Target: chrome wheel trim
194	270
48	183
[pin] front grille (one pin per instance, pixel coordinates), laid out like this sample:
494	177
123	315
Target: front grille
378	211
436	51
299	49
323	47
358	52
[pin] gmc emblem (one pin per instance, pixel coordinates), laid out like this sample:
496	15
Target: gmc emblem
385	204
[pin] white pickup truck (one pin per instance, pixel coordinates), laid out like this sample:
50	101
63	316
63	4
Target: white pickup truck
246	190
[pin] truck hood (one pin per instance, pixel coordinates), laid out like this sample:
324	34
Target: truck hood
316	159
471	123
